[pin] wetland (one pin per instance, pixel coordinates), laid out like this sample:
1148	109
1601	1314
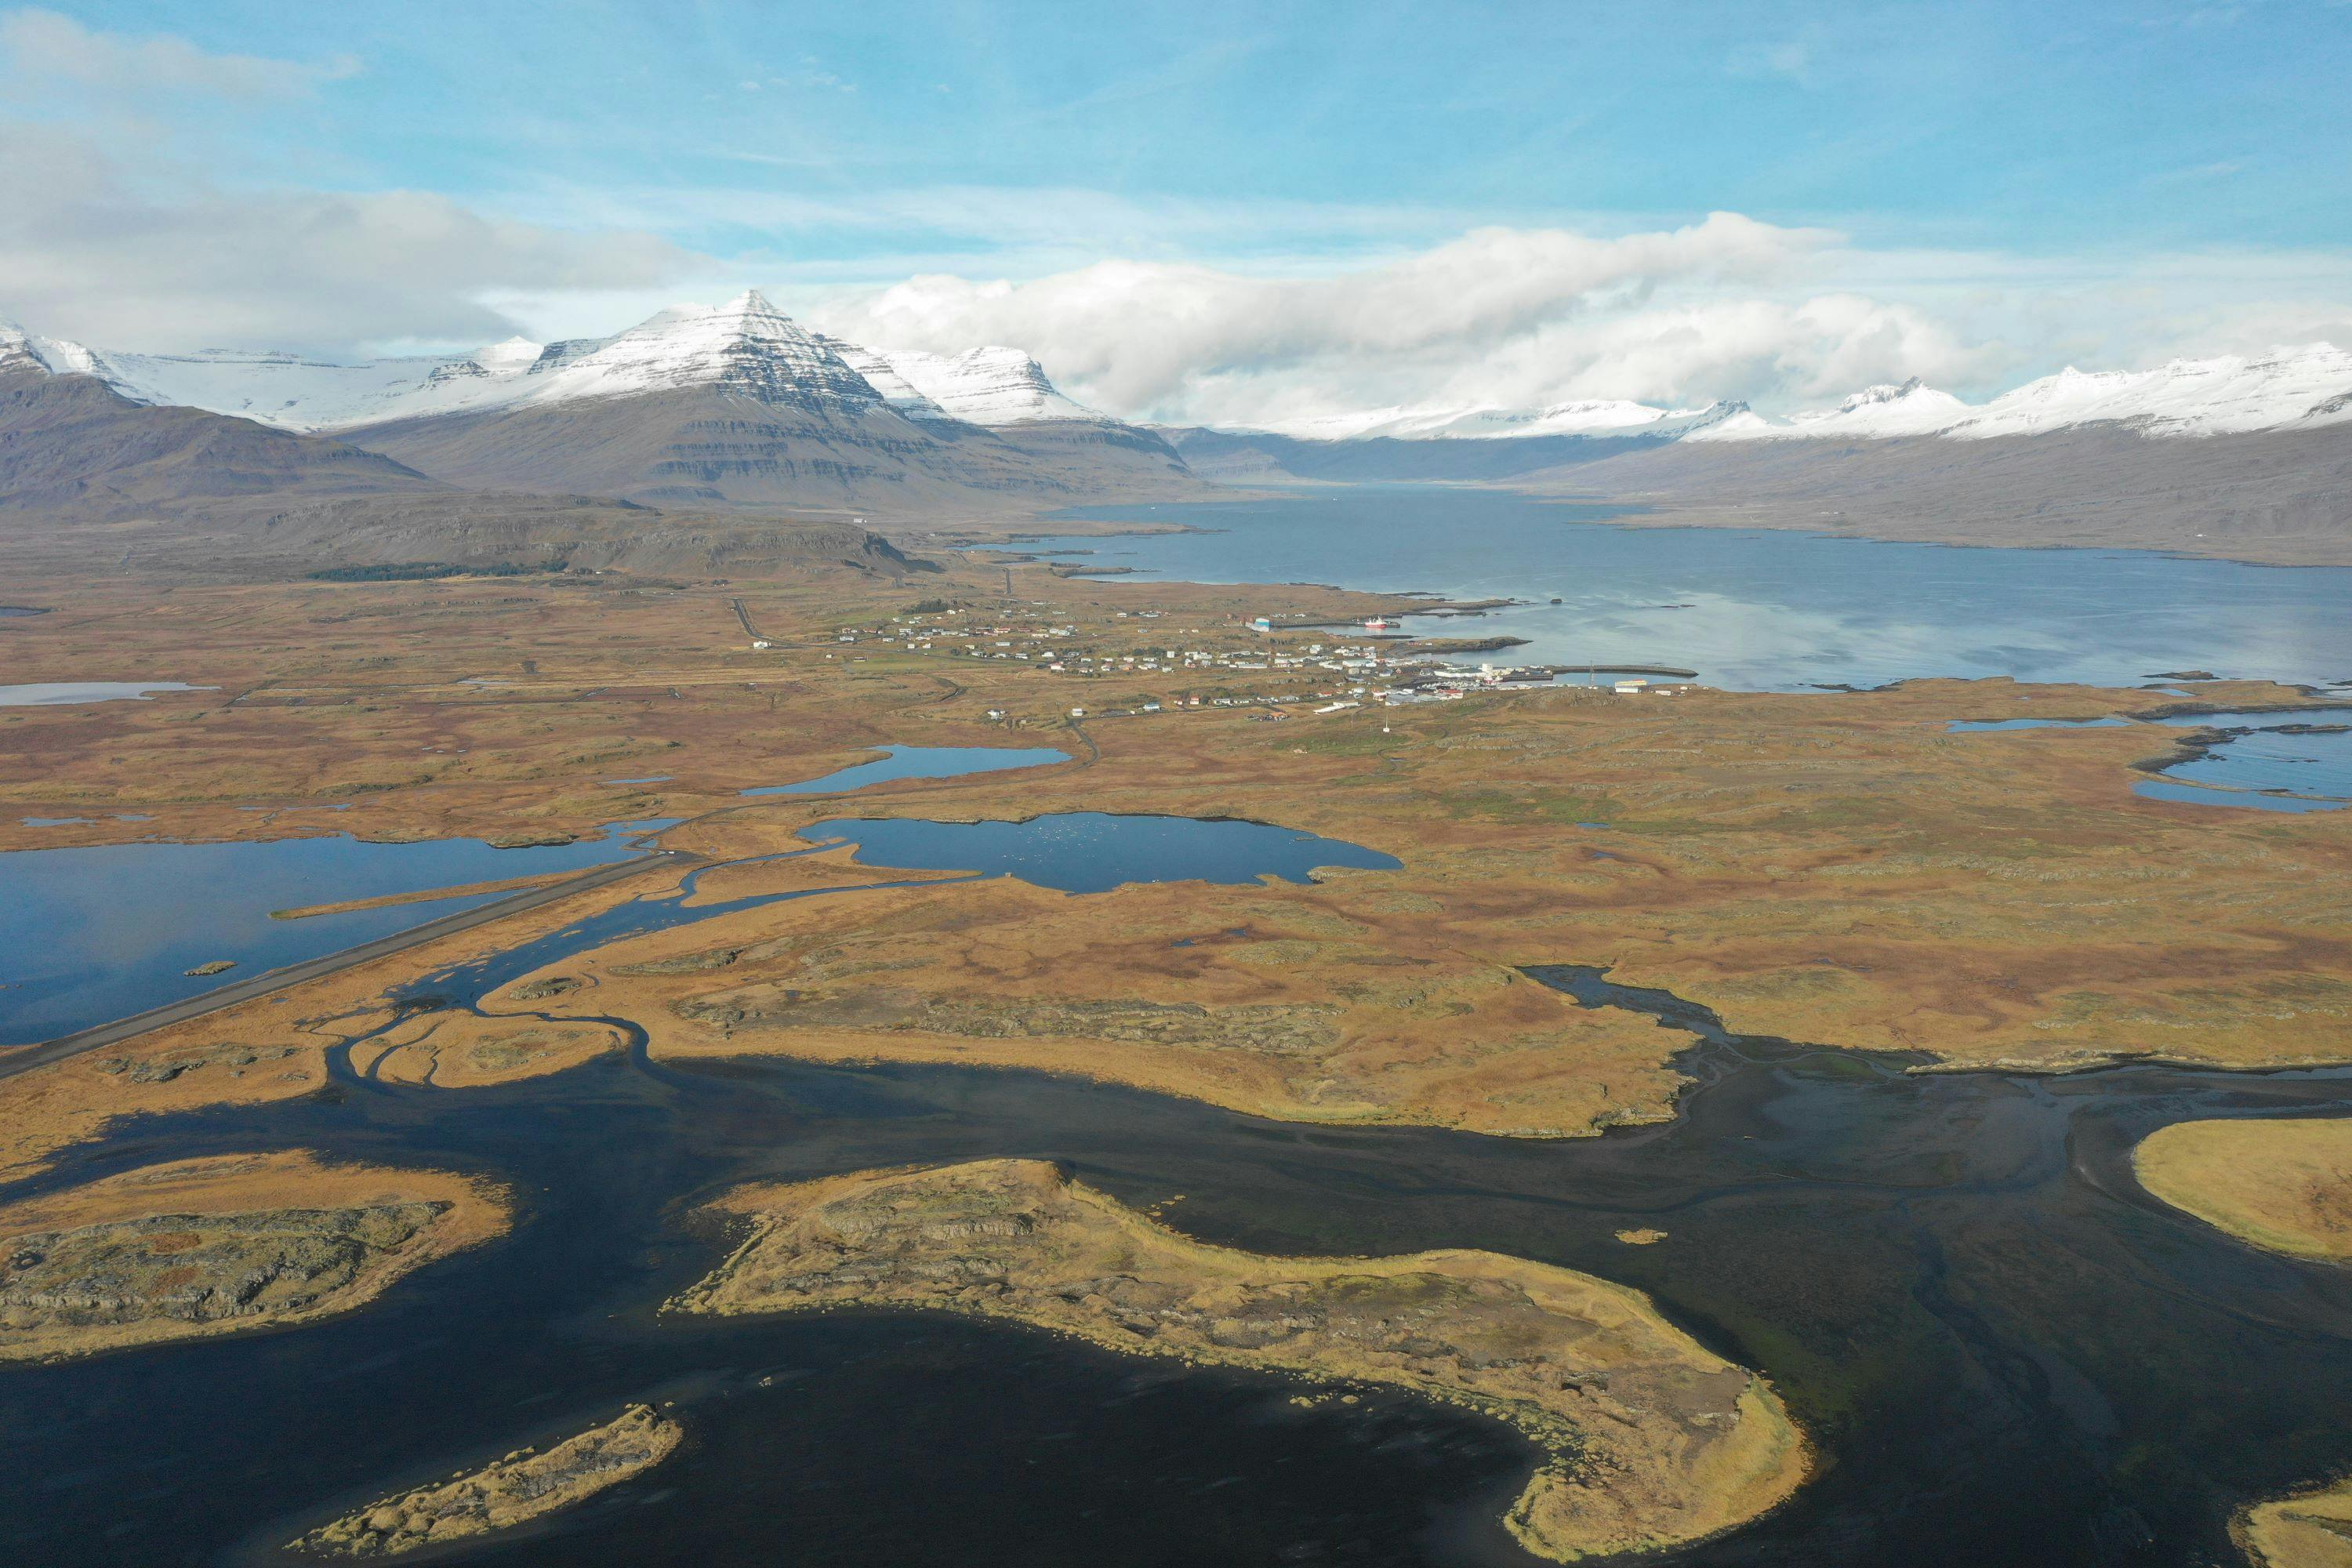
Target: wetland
1267	1026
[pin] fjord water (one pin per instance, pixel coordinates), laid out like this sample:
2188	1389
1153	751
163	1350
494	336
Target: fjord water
1758	609
92	934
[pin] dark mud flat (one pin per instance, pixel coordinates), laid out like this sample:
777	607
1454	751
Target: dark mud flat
2006	1353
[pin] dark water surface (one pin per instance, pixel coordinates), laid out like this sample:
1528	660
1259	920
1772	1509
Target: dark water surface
2008	1354
1094	851
1760	608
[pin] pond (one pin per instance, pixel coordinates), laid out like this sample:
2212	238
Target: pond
1093	852
2305	755
921	763
63	693
92	934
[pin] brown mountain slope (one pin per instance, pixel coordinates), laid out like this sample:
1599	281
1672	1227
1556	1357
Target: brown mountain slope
706	448
74	449
2282	497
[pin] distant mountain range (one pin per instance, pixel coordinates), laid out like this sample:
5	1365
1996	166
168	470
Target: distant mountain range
736	405
737	409
2286	389
2248	456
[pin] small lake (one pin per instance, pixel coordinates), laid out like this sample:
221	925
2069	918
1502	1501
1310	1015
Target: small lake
92	934
920	762
64	693
1759	609
1093	852
2307	753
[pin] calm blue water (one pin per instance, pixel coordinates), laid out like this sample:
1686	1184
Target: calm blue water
1979	726
2268	755
2256	755
921	763
2241	800
101	932
1092	852
1077	852
1761	609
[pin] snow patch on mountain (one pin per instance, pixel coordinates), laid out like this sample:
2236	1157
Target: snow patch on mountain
746	346
2228	395
59	356
896	391
1488	421
990	386
1875	411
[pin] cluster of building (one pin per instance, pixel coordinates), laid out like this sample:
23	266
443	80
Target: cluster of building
1342	673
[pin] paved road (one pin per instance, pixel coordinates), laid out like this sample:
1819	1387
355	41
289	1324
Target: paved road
23	1059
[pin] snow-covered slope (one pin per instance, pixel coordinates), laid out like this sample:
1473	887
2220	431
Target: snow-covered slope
1491	423
990	386
900	394
745	347
1910	409
2286	389
20	348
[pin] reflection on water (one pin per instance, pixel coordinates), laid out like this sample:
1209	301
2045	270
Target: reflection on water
2306	754
1764	609
921	763
92	934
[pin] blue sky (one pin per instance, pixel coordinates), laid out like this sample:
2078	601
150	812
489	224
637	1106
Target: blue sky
2031	182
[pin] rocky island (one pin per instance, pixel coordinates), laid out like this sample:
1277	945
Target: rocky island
1648	1440
523	1486
219	1246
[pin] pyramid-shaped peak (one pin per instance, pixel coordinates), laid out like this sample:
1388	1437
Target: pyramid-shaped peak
745	347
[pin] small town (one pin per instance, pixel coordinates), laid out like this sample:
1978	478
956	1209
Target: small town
1258	663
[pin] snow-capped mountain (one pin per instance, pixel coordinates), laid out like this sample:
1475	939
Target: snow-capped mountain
2288	389
745	347
55	355
993	387
2229	395
1489	422
1910	409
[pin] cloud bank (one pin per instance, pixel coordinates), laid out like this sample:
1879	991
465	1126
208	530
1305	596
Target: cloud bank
1509	316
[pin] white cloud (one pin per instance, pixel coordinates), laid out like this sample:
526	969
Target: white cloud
1145	335
45	51
88	252
1521	318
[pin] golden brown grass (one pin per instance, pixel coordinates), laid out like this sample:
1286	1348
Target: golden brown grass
2283	1184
